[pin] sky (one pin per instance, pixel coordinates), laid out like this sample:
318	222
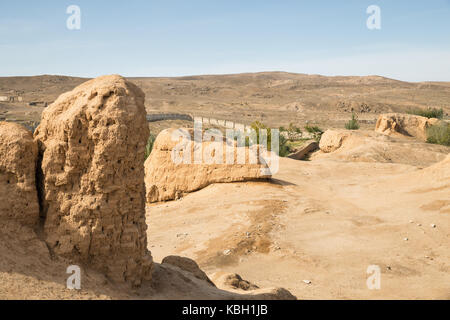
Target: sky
192	37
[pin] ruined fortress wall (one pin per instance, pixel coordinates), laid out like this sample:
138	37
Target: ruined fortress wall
18	194
92	148
168	116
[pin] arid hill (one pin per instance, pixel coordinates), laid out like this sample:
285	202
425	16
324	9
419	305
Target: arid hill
275	98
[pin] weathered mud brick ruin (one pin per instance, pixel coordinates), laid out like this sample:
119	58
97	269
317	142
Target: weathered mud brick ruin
90	178
18	197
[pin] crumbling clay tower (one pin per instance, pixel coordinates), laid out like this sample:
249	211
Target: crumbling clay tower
91	185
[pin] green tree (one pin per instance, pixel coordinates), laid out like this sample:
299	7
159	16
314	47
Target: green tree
149	147
353	124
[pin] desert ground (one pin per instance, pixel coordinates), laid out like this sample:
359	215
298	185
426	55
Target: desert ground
313	228
274	98
323	221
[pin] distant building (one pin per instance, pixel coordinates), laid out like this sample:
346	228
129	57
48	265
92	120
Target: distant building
11	98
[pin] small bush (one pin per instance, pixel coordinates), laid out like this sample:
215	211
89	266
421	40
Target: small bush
259	126
284	149
313	129
428	113
439	134
149	146
352	124
294	129
316	131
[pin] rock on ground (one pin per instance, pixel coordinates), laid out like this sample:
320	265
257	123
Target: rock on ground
172	282
18	194
189	265
165	179
371	146
304	150
333	139
92	144
405	124
232	281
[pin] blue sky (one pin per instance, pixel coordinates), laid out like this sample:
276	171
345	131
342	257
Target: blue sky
172	38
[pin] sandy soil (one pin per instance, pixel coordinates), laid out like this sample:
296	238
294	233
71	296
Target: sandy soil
28	271
324	221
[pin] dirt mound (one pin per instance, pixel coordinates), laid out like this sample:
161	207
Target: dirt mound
432	178
18	194
167	178
189	265
370	146
404	124
440	173
333	139
173	282
92	144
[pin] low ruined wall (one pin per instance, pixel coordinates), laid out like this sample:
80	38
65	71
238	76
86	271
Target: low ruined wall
223	123
203	120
